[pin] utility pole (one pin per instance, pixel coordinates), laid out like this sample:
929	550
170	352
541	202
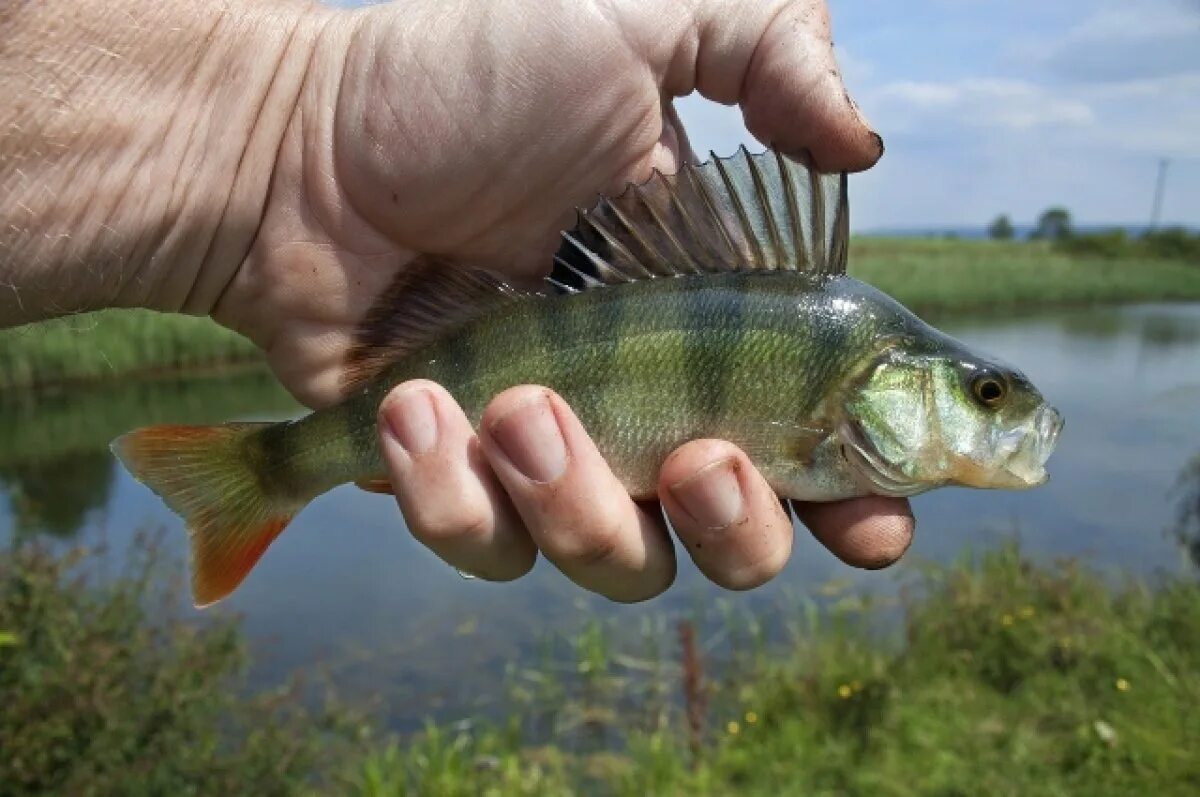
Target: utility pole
1156	209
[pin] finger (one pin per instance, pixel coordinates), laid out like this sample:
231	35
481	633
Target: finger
776	60
725	514
446	491
577	512
871	532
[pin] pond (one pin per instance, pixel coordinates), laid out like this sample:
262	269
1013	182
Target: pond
347	589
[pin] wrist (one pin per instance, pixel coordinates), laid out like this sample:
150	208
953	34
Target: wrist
136	146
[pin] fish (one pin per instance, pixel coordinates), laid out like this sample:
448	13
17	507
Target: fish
713	302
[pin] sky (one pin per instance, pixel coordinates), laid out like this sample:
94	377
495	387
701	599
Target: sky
1011	106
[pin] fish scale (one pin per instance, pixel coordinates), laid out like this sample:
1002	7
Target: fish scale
712	303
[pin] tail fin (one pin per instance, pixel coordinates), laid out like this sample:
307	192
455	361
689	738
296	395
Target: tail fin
209	475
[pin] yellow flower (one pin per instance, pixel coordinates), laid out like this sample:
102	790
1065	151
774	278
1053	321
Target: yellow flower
1122	685
844	691
733	728
1026	612
1006	619
751	718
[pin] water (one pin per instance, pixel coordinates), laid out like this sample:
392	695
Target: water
346	588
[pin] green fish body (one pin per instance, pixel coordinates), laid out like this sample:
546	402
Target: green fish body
713	303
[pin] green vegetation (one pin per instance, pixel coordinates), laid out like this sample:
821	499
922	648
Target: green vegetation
99	346
943	276
1053	225
996	677
952	277
101	697
1172	243
1001	229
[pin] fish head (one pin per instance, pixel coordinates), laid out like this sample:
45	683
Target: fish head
922	419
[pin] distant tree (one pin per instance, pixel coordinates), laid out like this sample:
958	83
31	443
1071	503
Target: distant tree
1053	225
1001	229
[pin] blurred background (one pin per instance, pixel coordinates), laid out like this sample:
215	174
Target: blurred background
1039	198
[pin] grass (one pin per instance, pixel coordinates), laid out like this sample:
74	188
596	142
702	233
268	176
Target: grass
103	695
114	343
949	276
1004	679
929	275
997	677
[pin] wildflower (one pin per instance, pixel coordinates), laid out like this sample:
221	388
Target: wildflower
733	728
1025	612
1006	619
751	718
1122	685
844	691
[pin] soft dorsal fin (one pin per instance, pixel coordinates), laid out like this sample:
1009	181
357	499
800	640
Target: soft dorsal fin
427	300
744	212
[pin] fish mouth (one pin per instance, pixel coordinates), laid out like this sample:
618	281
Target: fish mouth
1029	448
867	464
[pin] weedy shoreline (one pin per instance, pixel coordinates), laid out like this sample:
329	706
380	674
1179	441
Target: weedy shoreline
940	277
997	675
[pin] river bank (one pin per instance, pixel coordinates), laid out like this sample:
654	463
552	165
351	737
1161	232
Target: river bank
932	276
992	675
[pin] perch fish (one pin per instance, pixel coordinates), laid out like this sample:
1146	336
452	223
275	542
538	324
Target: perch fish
710	303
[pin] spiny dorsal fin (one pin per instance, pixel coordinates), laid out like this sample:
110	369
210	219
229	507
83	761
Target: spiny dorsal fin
744	212
730	214
425	301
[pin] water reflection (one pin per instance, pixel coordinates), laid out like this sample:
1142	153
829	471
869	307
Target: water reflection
55	494
55	467
1156	328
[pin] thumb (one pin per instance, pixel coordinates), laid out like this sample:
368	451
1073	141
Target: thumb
776	60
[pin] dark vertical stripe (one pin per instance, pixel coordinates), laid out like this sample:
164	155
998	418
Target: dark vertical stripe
714	325
554	325
584	333
460	366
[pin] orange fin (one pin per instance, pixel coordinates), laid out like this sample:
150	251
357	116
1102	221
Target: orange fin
381	486
425	301
209	476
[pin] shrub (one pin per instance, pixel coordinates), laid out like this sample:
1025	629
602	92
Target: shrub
101	697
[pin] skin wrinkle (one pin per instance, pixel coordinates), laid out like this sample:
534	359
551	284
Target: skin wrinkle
296	116
141	236
189	300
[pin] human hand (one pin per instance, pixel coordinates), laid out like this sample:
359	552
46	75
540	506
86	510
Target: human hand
471	132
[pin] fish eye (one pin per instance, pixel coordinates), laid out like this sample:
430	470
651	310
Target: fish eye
990	389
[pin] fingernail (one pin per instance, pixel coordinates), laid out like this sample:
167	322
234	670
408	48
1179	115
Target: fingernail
412	421
712	495
879	143
530	437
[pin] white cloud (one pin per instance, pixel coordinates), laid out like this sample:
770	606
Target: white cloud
975	102
1123	41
